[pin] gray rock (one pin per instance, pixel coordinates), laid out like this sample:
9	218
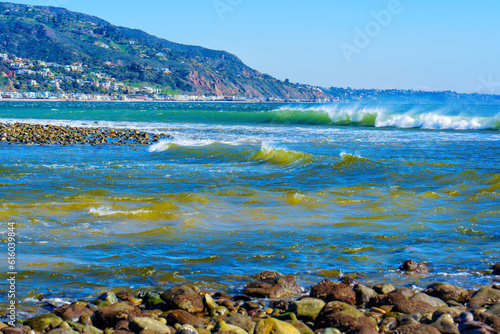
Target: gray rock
436	302
183	297
138	324
494	310
241	321
306	309
63	331
485	296
384	288
445	292
445	325
364	294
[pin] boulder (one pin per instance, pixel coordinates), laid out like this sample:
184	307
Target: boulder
436	302
275	326
182	317
346	318
139	324
153	300
72	312
328	291
445	292
241	321
109	297
414	267
401	303
494	310
306	309
485	296
384	288
496	269
182	297
364	294
416	329
109	316
44	322
445	324
273	286
487	318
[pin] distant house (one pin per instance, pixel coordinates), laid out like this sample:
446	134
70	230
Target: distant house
4	56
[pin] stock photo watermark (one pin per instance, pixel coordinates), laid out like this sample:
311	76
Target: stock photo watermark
11	273
222	7
488	85
363	37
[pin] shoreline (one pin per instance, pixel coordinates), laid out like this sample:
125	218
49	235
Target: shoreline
156	101
272	301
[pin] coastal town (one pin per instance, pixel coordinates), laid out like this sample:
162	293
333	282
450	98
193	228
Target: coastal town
41	80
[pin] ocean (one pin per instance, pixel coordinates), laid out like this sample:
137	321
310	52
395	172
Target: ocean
311	190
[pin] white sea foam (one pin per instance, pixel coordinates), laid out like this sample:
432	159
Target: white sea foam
108	211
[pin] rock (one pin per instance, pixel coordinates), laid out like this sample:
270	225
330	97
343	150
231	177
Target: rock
414	267
182	317
138	324
62	331
123	325
300	326
494	310
241	321
409	319
109	316
109	297
183	297
187	329
306	309
467	325
416	329
2	325
269	274
485	296
17	330
222	326
496	269
273	286
401	303
447	292
384	288
44	322
153	300
346	318
209	302
487	318
275	326
328	291
124	295
72	312
452	311
445	324
364	294
436	302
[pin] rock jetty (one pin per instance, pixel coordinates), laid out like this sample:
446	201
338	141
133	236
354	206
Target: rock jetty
36	134
330	307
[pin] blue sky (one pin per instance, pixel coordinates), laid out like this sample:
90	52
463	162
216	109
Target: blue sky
445	45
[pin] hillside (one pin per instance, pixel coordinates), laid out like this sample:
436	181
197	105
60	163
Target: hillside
131	56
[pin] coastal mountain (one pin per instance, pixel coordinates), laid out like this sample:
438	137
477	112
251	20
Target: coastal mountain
60	36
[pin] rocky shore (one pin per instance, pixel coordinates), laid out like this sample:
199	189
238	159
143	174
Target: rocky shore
35	134
275	303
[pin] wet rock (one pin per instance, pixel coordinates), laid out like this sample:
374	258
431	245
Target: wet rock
272	286
123	325
275	326
306	309
328	291
109	316
445	324
384	288
494	310
487	318
496	269
409	319
124	295
436	302
452	311
387	325
222	326
416	329
153	300
364	294
401	303
72	312
182	317
187	329
468	325
209	302
139	324
109	297
17	330
241	321
62	331
44	322
445	292
346	318
183	297
485	296
300	326
414	267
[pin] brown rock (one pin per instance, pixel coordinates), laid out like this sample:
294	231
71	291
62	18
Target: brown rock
17	330
414	267
328	291
496	269
109	316
416	329
346	318
273	287
182	317
124	295
182	297
447	292
485	296
402	304
487	318
123	325
72	312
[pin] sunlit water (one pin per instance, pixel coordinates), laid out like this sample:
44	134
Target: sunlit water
309	190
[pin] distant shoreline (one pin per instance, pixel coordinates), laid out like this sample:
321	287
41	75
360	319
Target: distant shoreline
151	101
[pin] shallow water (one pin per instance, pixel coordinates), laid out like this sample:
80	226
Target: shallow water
310	190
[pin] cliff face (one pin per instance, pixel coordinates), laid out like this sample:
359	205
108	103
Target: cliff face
61	36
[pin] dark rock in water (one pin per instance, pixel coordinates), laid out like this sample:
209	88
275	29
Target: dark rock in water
346	318
269	274
183	297
273	286
487	318
414	267
328	291
124	295
467	325
416	329
496	269
182	317
351	281
72	312
445	292
109	316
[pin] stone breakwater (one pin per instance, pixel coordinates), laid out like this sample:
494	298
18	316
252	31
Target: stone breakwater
275	303
23	133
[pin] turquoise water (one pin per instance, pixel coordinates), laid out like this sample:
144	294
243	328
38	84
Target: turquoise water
309	190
